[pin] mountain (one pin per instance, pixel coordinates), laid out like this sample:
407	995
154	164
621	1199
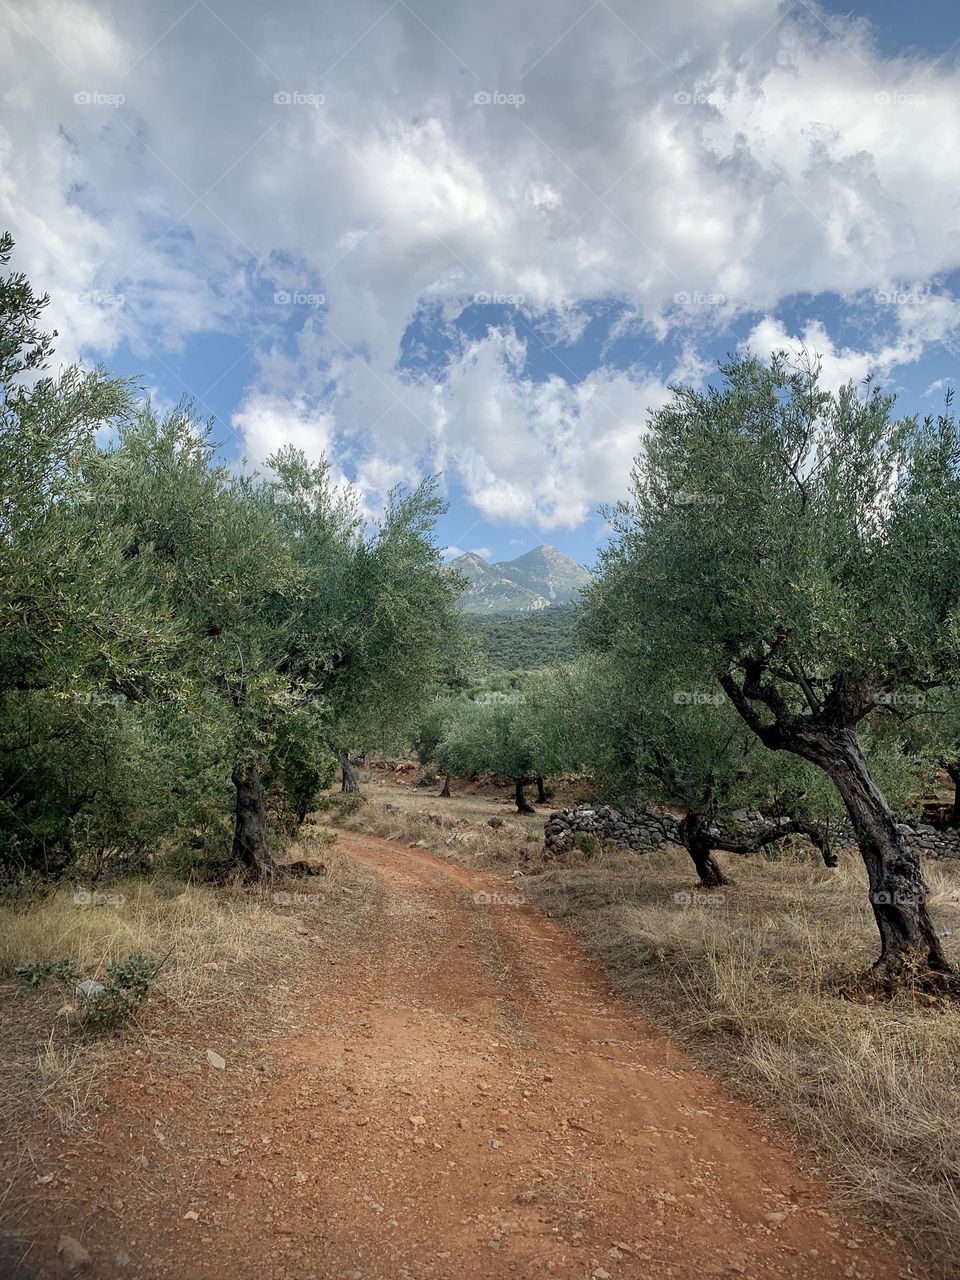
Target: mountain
540	579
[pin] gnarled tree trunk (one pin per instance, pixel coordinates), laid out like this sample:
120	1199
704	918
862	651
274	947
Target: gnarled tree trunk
541	790
696	841
953	769
250	848
898	891
445	793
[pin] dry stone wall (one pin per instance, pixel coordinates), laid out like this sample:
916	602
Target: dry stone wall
644	829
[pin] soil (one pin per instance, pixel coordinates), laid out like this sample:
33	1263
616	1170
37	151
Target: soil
462	1095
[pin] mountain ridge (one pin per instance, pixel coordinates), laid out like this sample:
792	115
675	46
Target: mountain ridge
541	578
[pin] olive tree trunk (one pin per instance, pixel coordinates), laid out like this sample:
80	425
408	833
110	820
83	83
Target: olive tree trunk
898	891
696	841
953	769
250	848
541	790
445	793
521	799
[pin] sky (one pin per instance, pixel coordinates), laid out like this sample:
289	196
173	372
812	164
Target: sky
483	241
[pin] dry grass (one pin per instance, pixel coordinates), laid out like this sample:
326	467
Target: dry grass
456	827
219	947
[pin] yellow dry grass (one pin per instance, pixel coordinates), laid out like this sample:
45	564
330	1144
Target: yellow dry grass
218	947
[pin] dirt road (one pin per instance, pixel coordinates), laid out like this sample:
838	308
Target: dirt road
465	1097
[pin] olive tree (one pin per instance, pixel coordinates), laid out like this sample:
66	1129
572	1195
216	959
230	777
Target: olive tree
801	546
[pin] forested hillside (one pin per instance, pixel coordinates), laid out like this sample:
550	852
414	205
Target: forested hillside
525	641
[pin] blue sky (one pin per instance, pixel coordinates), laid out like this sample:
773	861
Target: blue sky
482	243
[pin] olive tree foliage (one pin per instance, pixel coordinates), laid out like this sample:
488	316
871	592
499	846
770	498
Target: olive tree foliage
931	725
304	630
650	736
58	606
69	624
800	549
390	629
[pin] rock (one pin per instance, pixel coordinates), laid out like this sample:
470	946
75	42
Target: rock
417	1121
75	1256
218	1063
494	822
191	1216
88	988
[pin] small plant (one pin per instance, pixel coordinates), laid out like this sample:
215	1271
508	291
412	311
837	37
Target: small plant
130	981
37	973
588	845
128	984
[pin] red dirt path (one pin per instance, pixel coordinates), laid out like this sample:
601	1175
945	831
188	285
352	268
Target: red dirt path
466	1097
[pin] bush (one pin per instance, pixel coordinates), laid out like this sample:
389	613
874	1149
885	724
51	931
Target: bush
37	973
130	981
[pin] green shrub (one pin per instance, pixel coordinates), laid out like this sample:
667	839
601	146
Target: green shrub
130	981
36	974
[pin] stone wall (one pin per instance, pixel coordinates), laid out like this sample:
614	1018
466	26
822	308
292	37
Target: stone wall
645	829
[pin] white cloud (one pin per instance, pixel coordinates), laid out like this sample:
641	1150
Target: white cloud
266	422
920	320
938	387
739	153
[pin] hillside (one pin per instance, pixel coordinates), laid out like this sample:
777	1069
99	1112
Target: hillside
540	579
526	641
